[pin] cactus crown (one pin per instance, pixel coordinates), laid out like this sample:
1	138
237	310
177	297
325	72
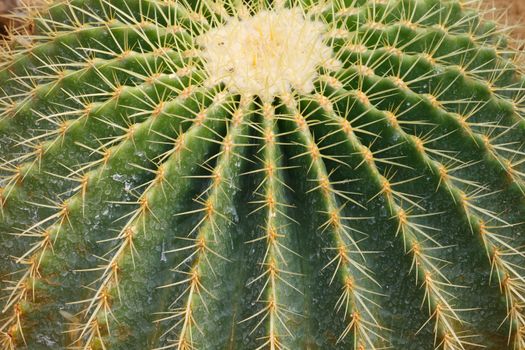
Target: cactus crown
265	55
205	174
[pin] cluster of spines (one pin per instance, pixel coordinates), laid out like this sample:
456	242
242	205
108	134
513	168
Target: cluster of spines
347	255
199	246
510	279
417	239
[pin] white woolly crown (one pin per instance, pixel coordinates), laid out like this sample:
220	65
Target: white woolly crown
268	54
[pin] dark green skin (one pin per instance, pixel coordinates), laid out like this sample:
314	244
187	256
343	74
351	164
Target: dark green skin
201	209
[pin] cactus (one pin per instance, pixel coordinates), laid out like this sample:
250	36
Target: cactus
262	175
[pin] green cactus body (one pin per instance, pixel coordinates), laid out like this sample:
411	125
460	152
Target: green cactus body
253	175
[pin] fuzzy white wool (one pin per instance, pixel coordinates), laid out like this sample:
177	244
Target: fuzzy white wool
268	54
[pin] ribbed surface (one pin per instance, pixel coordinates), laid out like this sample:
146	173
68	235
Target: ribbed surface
143	209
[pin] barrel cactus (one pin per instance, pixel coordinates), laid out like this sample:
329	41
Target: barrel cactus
209	174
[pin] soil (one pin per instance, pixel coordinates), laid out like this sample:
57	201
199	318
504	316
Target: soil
515	13
6	6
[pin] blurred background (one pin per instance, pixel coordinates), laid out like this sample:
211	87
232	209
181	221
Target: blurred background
515	13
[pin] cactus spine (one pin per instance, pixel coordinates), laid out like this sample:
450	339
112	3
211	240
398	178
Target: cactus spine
345	174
